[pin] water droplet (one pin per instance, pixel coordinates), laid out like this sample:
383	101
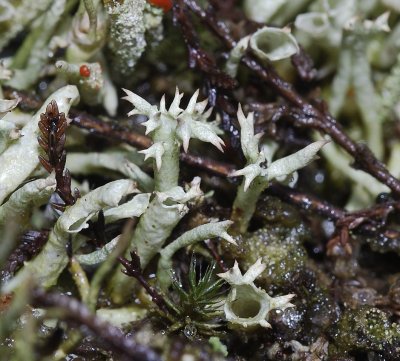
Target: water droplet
190	331
42	85
319	177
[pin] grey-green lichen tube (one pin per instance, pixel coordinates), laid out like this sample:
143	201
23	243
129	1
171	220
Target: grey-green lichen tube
200	233
20	204
248	306
51	261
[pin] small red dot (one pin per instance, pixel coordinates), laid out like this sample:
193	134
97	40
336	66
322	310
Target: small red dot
165	4
84	71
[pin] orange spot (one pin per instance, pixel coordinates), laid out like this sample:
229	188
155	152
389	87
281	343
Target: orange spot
84	71
5	301
166	5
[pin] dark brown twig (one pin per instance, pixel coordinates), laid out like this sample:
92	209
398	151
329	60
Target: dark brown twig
134	269
304	65
368	221
30	245
108	129
53	125
214	253
74	311
199	58
28	101
306	202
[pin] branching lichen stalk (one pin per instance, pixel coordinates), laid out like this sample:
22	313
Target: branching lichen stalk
51	261
200	233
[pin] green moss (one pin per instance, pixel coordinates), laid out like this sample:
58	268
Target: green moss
384	243
278	243
367	329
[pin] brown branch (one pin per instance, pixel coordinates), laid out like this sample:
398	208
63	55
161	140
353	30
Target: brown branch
74	311
307	114
28	100
198	57
108	129
368	222
304	65
306	202
134	269
31	244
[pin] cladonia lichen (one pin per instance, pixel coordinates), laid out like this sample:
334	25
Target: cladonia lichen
267	44
247	305
169	129
260	169
51	261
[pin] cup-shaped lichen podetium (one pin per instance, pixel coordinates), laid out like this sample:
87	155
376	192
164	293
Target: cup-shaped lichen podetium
248	306
272	44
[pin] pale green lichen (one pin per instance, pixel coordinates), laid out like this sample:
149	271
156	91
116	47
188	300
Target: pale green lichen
393	4
390	92
262	11
17	15
94	85
91	86
8	130
355	71
98	256
200	233
247	305
47	266
133	208
28	62
277	12
130	22
258	172
169	129
341	28
21	203
356	39
163	214
87	34
126	162
267	44
6	106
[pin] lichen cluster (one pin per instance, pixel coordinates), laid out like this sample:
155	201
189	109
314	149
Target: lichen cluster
199	180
